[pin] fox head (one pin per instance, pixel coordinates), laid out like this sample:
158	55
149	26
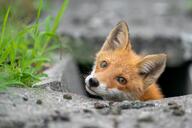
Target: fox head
119	73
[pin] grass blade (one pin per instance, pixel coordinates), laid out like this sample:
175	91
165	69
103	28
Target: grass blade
4	26
57	21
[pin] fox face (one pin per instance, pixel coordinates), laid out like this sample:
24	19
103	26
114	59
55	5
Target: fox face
119	73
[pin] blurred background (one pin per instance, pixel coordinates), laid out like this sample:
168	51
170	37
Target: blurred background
155	27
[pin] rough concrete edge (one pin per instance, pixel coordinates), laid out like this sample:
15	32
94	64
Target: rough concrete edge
56	79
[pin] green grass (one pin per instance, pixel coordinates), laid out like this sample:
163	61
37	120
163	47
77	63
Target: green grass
189	5
25	49
23	10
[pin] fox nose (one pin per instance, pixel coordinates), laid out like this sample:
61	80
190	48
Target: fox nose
93	82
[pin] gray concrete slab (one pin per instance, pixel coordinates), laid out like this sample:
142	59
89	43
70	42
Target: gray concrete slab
80	112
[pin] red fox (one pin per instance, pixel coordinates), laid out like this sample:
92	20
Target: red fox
120	74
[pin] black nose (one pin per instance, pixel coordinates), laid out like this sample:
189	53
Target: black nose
93	82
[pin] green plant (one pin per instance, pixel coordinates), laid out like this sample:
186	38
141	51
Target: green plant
28	12
24	49
189	5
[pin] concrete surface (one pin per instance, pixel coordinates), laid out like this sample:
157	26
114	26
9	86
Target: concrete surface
19	109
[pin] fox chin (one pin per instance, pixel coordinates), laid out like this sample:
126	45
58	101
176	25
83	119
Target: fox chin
121	74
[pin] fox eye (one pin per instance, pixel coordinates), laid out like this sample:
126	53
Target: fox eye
121	80
103	64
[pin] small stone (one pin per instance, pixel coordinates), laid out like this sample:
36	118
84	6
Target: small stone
150	105
175	107
14	105
67	96
90	126
98	105
64	117
57	112
178	112
55	117
125	105
39	102
87	111
172	103
137	105
25	98
115	110
145	117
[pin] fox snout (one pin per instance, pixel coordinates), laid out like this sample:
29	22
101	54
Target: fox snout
93	82
98	88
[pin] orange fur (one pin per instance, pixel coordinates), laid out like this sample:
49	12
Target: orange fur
123	61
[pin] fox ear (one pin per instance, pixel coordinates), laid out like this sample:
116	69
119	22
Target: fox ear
118	38
151	67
